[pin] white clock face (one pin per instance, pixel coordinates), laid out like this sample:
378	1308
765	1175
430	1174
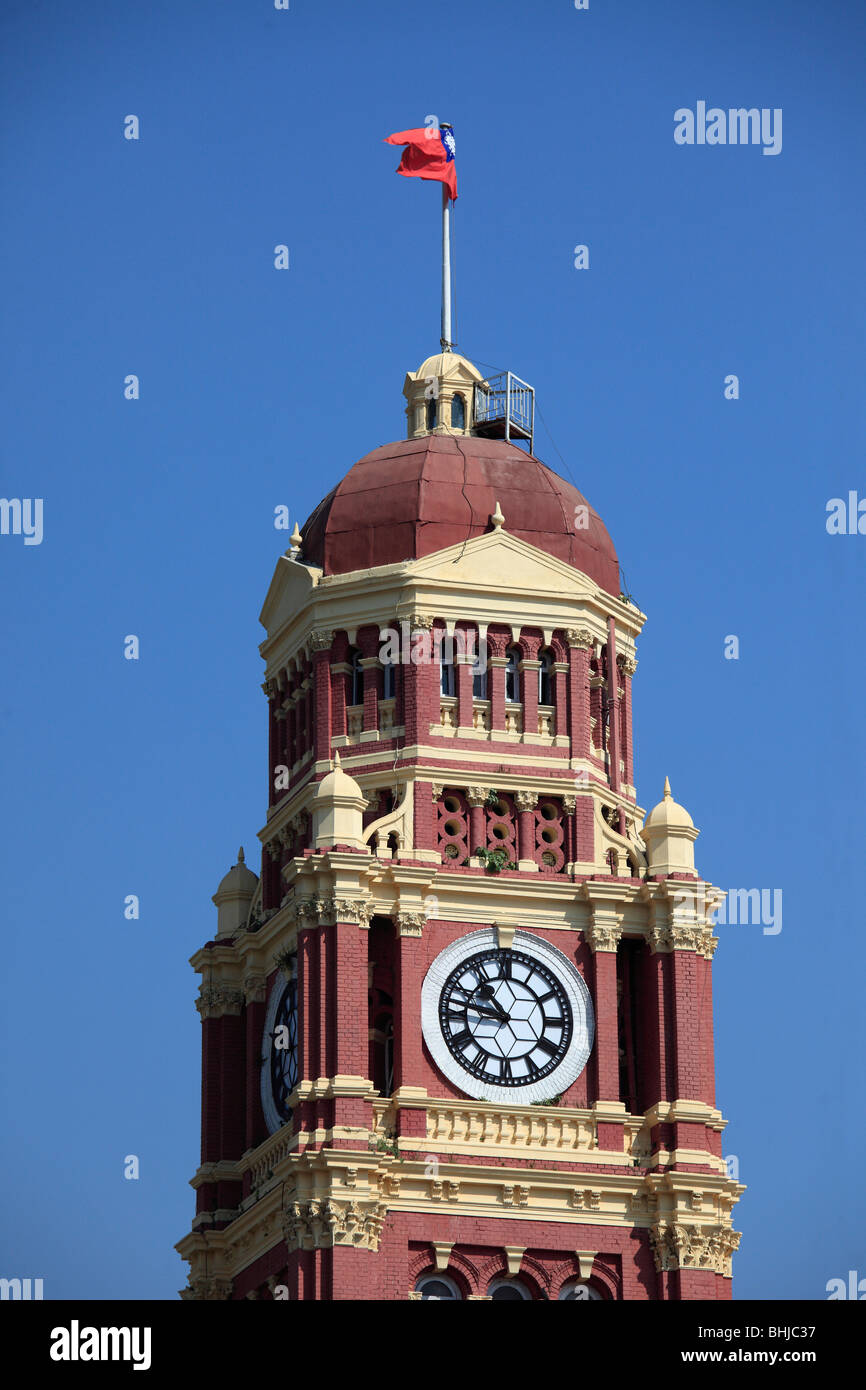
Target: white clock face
511	1025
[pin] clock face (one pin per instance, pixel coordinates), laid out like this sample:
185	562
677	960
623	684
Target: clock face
505	1017
280	1051
510	1024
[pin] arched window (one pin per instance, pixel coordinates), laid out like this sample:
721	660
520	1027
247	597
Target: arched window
577	1289
512	676
431	414
479	674
545	678
388	680
356	680
509	1288
447	682
458	413
438	1286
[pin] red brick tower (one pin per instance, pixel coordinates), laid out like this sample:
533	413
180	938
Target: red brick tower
458	1038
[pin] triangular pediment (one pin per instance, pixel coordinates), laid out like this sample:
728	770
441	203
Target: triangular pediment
499	561
289	590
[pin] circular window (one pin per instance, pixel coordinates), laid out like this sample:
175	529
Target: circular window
499	809
451	851
548	859
453	827
500	831
451	803
548	811
575	1289
548	836
438	1286
509	1288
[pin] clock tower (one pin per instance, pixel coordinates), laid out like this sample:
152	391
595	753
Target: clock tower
457	1038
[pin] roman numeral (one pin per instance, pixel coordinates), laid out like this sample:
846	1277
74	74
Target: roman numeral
506	1074
550	1048
461	1039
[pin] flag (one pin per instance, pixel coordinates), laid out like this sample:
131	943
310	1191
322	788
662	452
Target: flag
429	154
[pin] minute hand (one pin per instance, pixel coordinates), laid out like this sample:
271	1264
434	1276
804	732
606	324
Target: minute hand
496	1012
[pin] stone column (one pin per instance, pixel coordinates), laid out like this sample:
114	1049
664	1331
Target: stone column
580	644
321	645
464	664
421	677
526	803
477	797
560	698
628	666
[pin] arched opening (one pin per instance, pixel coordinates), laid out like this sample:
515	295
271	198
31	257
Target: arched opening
458	413
546	692
389	680
502	1289
356	678
512	676
431	414
479	674
438	1287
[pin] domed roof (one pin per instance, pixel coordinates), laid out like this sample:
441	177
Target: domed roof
239	879
337	783
668	813
409	499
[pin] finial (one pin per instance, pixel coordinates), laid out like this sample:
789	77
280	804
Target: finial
241	855
295	540
667	788
497	518
336	757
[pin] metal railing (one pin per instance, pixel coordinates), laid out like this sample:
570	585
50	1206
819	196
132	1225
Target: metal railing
505	407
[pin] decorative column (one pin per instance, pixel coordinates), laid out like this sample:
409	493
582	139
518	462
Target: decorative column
464	662
613	709
529	668
476	797
320	642
560	698
255	994
603	935
628	666
526	803
410	968
373	685
497	644
421	699
580	644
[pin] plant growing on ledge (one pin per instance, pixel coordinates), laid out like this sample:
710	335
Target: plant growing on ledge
554	1100
494	860
492	800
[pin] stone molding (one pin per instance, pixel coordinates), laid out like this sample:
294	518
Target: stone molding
215	1001
320	1224
580	637
685	1246
320	640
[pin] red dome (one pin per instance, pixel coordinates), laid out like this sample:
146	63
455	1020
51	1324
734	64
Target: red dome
410	499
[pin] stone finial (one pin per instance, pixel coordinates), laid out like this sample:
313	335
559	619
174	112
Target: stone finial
241	859
295	540
497	517
667	786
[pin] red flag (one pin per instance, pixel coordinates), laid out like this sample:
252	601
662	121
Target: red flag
429	154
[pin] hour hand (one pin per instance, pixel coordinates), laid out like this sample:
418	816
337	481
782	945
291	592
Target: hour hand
495	1012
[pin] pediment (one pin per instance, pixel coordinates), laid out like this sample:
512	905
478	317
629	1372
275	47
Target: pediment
289	590
499	561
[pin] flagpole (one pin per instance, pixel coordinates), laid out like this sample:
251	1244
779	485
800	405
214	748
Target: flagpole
446	270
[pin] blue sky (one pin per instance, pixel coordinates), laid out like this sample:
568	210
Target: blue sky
261	387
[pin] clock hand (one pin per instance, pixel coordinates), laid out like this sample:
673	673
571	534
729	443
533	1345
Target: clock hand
488	1013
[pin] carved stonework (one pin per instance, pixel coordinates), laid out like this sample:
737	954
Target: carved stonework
476	796
526	801
321	1224
680	1246
321	640
216	1000
255	989
421	622
678	937
410	923
274	848
628	664
569	804
437	789
580	637
333	910
603	936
